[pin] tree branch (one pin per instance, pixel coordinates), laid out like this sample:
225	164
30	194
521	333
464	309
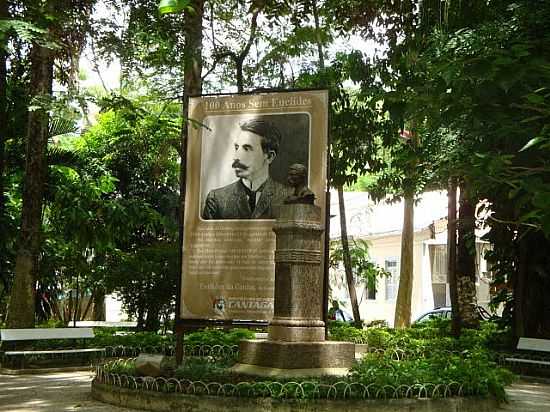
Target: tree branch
253	28
218	57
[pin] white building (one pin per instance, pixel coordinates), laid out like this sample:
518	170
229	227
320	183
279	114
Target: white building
381	224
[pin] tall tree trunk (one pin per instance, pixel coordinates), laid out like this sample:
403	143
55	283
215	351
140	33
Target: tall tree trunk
466	261
80	315
451	256
152	320
340	188
520	291
532	305
192	86
406	269
3	135
3	114
88	306
141	317
69	308
320	53
347	258
21	309
343	224
54	305
98	308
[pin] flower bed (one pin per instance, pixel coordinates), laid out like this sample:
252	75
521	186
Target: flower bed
377	375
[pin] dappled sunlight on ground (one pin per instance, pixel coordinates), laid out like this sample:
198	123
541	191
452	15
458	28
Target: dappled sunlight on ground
528	397
71	392
50	392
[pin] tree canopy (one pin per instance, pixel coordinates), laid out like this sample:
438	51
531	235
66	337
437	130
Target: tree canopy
434	90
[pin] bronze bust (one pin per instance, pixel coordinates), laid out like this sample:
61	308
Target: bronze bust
297	178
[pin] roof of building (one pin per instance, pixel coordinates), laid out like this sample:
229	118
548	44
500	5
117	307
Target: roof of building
366	218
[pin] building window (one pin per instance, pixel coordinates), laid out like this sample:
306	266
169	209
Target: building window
392	281
438	259
440	286
440	294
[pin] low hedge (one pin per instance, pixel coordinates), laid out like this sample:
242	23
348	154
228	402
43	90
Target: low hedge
377	373
425	337
420	357
114	337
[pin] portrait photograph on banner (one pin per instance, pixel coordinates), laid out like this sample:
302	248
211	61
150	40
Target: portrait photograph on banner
240	149
252	154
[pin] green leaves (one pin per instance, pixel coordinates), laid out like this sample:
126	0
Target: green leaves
60	126
25	30
173	6
427	353
28	32
534	98
533	142
363	268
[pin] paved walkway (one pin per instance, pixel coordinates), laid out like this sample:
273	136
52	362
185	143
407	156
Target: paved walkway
55	392
528	397
58	392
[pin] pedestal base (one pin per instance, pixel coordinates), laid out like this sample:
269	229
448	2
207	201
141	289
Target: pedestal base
276	358
263	371
296	333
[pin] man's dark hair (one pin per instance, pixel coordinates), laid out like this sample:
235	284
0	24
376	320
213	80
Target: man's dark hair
271	136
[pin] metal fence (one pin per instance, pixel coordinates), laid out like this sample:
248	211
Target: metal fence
211	352
308	389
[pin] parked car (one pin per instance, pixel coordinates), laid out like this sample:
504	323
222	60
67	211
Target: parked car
446	313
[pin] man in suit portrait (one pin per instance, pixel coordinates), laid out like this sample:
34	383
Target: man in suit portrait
254	195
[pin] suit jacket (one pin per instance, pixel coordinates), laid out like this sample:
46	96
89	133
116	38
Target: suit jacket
231	201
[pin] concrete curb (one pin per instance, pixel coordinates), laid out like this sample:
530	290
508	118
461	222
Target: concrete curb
172	402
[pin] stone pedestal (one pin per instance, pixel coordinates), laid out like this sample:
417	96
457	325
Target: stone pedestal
296	336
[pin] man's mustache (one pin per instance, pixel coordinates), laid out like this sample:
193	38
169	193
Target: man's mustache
238	165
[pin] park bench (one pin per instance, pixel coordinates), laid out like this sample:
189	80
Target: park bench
104	324
534	357
20	358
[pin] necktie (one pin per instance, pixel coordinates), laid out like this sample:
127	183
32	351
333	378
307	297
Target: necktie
251	195
252	200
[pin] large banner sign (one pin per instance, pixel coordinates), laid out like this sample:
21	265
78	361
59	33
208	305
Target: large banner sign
239	150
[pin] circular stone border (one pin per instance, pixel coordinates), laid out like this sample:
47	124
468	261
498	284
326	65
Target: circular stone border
171	402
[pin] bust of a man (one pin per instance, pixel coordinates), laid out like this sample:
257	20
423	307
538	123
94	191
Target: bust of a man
297	178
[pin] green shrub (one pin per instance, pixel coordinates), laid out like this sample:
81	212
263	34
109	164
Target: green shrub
213	337
430	357
125	367
113	337
471	373
378	338
474	370
373	337
342	331
109	337
424	337
195	369
52	323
